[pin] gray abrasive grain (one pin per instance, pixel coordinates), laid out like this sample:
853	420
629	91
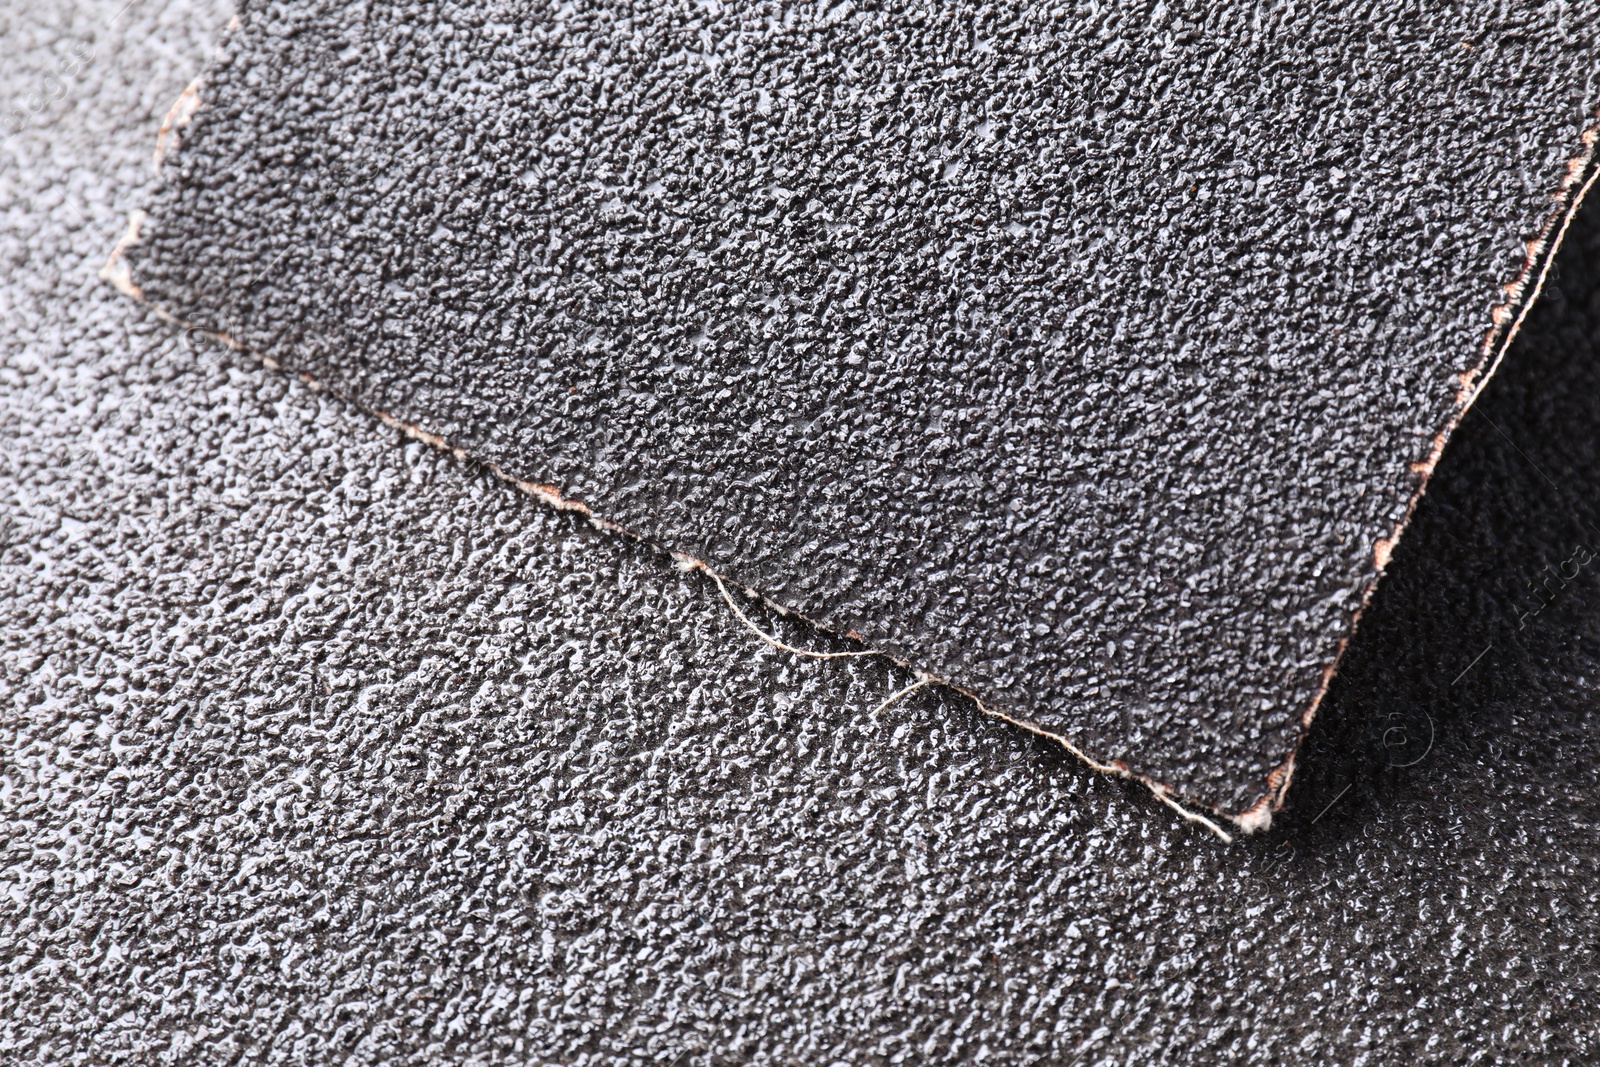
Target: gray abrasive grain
1089	358
319	746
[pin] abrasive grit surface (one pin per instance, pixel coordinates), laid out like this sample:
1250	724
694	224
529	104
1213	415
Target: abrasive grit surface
1087	358
321	746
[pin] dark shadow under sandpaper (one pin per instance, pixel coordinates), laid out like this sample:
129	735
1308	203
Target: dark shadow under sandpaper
1495	582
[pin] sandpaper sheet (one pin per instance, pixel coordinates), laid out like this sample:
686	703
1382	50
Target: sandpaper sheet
1089	360
323	747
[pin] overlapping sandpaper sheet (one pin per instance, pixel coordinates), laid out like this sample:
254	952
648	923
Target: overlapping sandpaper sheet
1088	359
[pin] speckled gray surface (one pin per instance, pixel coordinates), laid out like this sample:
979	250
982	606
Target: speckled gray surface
1082	358
320	746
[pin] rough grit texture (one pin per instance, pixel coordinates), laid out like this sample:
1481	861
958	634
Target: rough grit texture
318	746
1087	358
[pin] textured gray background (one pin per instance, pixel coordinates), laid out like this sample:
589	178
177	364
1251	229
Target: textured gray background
321	746
1079	356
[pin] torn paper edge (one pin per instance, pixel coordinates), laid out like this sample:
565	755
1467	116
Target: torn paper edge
118	272
1506	319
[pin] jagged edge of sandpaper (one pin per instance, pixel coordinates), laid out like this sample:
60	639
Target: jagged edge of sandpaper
1507	317
118	273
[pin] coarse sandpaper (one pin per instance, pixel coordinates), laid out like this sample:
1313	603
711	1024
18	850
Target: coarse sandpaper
1090	360
322	747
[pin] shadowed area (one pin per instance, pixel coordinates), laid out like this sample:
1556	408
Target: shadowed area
1493	601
